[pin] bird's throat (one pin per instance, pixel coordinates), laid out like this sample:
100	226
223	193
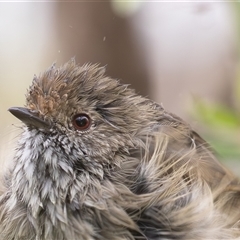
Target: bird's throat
44	181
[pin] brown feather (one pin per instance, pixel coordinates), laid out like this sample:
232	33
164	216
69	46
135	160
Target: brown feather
138	172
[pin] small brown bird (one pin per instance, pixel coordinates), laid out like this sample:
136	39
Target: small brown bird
96	161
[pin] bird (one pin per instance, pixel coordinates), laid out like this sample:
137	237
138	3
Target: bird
96	161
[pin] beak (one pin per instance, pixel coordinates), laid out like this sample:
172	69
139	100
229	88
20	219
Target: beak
28	117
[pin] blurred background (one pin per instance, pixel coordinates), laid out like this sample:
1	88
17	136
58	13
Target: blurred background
184	55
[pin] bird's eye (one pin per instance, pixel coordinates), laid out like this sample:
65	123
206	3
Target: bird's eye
81	121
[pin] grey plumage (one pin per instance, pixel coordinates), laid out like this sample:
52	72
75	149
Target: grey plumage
123	169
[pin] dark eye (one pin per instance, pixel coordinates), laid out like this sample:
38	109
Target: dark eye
81	121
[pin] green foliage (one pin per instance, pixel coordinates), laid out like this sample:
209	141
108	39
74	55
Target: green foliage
125	8
217	115
221	126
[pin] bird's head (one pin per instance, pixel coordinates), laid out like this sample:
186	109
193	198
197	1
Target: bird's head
85	116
